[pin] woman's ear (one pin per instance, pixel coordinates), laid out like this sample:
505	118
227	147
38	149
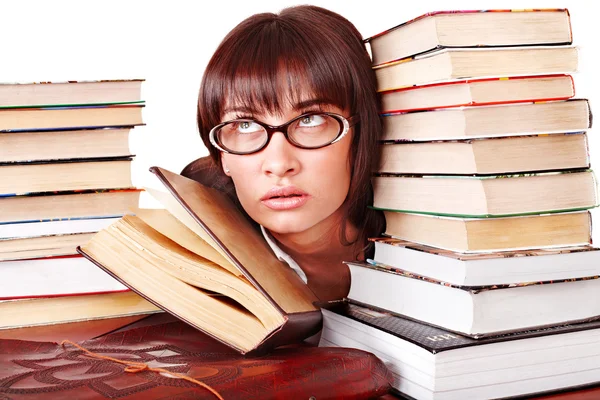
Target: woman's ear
224	165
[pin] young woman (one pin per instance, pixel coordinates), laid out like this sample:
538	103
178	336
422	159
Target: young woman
289	112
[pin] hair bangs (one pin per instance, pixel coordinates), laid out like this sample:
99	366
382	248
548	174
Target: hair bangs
267	76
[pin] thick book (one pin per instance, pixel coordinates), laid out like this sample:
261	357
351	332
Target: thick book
434	364
476	311
487	156
474	28
47	370
79	174
38	94
478	269
203	262
486	195
472	235
460	63
42	246
54	277
65	309
479	92
61	145
68	204
74	117
489	121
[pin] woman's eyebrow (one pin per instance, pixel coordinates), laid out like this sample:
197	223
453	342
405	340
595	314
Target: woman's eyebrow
297	107
239	109
311	102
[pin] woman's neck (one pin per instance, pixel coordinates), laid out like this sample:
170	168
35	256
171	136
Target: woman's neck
320	252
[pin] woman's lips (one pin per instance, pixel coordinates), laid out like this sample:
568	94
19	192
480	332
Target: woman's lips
285	198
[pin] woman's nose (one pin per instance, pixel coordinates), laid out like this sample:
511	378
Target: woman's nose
280	157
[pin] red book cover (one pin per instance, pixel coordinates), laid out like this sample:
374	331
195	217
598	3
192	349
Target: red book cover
45	370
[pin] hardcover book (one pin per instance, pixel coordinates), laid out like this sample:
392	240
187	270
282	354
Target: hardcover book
42	311
45	370
482	235
54	277
487	156
462	63
472	28
486	195
27	229
69	204
472	92
74	117
203	262
39	94
434	364
64	145
479	269
79	174
489	121
476	311
42	246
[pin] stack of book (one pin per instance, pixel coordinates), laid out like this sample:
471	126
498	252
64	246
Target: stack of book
485	282
65	173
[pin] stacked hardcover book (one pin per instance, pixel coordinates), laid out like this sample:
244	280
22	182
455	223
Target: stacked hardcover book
485	281
64	174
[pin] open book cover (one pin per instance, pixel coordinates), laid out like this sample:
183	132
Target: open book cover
204	263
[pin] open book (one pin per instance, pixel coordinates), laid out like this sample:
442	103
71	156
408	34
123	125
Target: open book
203	262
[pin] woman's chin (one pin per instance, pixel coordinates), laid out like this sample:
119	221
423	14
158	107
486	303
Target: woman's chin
287	224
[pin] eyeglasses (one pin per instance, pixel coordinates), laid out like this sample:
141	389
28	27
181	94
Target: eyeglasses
307	131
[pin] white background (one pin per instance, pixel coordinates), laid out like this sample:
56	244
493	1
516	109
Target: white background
169	43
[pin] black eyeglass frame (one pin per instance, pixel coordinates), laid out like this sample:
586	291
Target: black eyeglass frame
345	125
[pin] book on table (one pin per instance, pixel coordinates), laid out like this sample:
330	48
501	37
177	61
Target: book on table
49	310
482	156
203	262
477	28
491	268
435	364
37	94
472	235
514	89
488	121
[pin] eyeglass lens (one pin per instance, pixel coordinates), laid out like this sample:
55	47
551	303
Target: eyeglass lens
310	131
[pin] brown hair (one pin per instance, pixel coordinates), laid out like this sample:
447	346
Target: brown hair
299	47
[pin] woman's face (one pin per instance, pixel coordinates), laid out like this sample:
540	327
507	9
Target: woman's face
288	189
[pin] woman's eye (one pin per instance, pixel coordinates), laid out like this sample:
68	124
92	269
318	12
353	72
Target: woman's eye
248	127
312	120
